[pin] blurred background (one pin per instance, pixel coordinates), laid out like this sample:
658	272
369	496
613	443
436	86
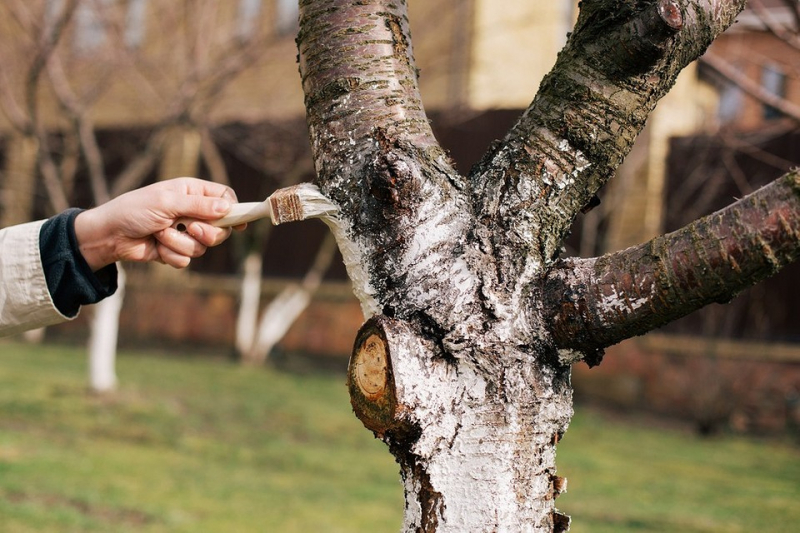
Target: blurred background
103	96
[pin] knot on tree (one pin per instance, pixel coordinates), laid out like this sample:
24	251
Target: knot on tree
370	376
390	177
394	370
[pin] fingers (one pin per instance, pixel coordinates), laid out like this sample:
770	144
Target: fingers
207	234
171	258
136	226
199	207
195	186
177	249
201	199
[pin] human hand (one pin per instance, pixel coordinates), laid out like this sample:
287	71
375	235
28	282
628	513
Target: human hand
137	226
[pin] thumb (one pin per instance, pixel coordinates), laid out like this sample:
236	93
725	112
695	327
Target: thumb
201	207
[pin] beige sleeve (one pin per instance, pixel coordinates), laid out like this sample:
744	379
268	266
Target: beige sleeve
25	302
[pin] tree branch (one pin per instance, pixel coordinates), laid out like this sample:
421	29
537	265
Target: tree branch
47	45
776	28
136	170
212	156
619	61
358	75
376	157
594	303
11	108
79	113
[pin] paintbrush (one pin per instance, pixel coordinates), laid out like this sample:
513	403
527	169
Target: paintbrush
289	204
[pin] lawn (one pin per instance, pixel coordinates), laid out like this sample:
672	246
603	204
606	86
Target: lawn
190	445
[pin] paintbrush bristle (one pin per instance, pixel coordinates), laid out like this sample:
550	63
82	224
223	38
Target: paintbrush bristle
300	202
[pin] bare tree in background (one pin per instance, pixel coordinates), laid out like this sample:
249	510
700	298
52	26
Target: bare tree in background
282	151
77	51
463	367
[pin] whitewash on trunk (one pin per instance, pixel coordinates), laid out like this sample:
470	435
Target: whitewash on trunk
472	320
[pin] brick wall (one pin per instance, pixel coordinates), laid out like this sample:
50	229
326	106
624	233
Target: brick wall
716	384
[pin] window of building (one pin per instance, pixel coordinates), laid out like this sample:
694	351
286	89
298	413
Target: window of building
286	13
248	18
731	99
135	19
773	80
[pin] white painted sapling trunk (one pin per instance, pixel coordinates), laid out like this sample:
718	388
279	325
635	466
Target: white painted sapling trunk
103	339
287	306
277	318
250	297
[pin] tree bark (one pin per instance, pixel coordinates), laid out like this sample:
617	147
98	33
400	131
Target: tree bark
462	367
594	303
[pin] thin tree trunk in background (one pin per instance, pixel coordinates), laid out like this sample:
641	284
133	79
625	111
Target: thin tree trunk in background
249	301
103	339
251	346
287	306
19	179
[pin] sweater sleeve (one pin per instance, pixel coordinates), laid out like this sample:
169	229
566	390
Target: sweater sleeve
25	302
70	280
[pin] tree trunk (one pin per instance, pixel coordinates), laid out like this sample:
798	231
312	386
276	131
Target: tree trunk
476	453
250	297
463	365
103	339
287	306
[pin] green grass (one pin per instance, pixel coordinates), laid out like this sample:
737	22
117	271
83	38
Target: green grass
190	445
186	445
626	477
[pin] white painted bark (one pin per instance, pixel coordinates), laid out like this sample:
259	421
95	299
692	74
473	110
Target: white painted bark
478	460
103	339
277	318
461	369
249	299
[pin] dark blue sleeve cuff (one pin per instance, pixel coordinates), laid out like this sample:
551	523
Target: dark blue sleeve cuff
70	280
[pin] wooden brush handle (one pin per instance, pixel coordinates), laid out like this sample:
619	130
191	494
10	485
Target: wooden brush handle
239	214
